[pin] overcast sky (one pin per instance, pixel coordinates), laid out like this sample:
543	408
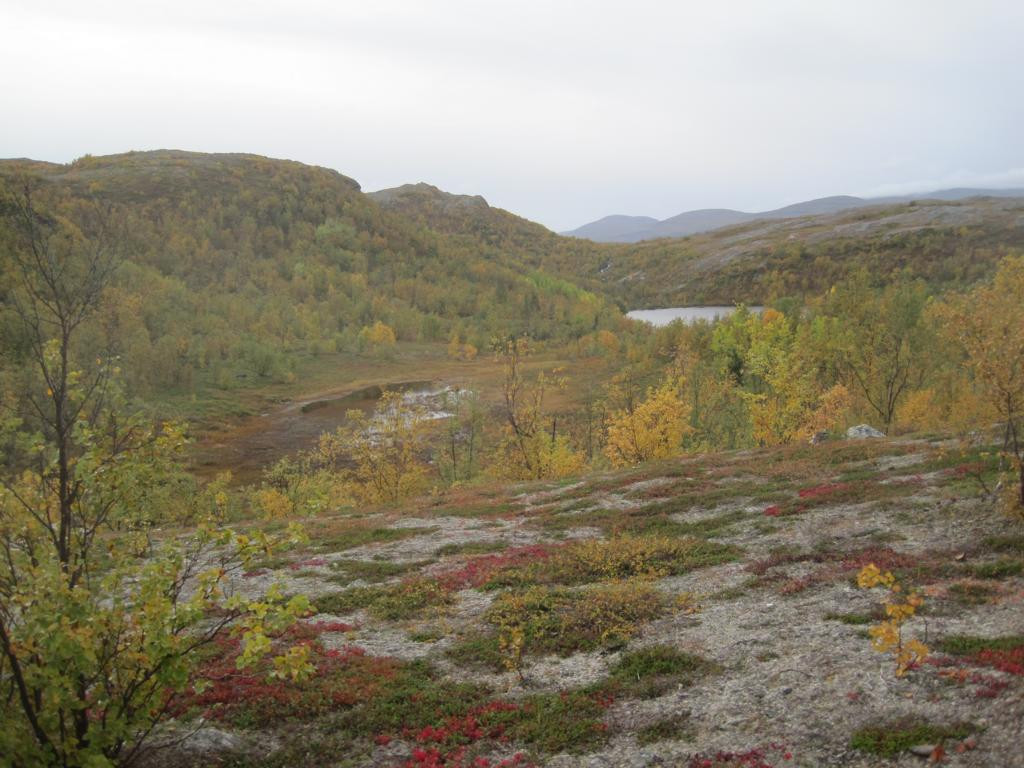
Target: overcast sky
558	111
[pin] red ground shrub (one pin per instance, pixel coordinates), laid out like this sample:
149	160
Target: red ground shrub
477	571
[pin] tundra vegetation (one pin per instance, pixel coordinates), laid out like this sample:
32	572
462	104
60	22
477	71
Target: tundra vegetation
616	539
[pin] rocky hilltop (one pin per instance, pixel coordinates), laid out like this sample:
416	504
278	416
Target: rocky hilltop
698	612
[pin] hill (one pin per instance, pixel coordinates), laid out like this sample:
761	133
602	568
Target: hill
667	614
247	264
613	228
804	251
632	229
236	264
469	216
948	244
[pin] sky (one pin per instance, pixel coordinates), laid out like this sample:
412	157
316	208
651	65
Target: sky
559	111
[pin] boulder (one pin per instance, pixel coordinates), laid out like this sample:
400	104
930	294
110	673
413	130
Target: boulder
862	431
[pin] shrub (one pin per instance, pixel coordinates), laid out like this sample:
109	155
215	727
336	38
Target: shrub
370	570
545	620
889	740
359	534
677	727
653	671
887	636
567	721
621	557
392	602
1000	569
1003	653
342	679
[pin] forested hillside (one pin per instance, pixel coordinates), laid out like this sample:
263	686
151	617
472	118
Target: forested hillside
235	268
947	243
231	262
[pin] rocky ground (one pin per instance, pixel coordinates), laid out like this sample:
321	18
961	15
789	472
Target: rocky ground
700	612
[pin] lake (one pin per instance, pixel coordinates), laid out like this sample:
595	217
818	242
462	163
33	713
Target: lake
660	317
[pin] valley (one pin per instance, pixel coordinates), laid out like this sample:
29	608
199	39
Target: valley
287	419
331	436
403	480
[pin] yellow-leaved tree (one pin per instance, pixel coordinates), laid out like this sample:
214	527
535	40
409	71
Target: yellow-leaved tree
651	429
104	604
459	351
988	323
378	336
381	455
791	403
530	448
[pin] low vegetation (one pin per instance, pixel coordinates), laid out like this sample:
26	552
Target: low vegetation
891	739
654	671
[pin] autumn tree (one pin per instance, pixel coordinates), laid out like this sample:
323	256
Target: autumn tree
792	402
378	336
459	351
532	447
382	455
884	346
988	323
100	621
653	428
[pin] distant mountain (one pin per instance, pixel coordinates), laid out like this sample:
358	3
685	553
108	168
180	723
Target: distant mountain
633	229
612	228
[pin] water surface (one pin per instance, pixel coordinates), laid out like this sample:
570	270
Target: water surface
660	317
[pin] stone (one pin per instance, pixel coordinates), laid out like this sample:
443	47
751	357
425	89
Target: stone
863	431
213	740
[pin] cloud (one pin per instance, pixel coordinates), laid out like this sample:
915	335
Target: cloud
558	110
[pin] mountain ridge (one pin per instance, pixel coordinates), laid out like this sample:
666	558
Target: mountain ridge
617	228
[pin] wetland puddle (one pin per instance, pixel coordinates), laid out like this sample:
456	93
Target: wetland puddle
260	441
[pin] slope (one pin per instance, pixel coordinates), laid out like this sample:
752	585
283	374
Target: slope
237	263
949	244
664	614
632	229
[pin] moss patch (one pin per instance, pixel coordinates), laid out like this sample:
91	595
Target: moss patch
393	602
889	740
651	672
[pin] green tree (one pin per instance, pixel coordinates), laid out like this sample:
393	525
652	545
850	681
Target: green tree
458	454
884	347
99	625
